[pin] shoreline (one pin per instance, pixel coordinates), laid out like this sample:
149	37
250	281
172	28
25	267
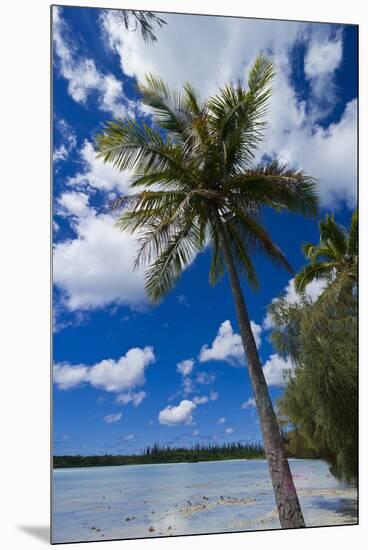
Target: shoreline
99	466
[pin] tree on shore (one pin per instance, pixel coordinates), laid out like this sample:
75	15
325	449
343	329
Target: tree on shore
321	399
197	186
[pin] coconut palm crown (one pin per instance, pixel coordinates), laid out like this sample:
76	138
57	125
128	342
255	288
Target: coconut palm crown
195	168
335	257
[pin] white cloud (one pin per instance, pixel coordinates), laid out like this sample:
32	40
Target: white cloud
135	398
227	346
110	375
229	430
206	398
201	400
323	57
185	367
110	418
228	48
226	44
60	153
221	420
84	79
249	403
74	203
181	414
277	370
99	175
188	385
330	154
204	378
67	376
96	268
196	432
68	139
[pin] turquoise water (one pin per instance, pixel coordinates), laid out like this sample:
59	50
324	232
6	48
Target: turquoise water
176	499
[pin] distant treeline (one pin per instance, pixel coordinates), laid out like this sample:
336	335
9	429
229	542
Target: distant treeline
159	454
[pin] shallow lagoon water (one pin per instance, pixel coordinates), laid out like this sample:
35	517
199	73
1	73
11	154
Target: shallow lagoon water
121	502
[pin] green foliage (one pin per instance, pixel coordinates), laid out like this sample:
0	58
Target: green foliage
297	446
195	165
159	454
334	257
321	400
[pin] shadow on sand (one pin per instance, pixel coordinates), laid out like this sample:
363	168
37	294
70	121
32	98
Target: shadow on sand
348	507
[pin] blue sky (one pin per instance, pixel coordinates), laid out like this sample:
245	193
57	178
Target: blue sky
128	374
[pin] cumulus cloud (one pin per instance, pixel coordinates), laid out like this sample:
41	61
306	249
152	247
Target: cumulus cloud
84	79
110	418
74	203
96	268
330	154
229	430
277	370
249	403
185	367
227	346
323	57
97	174
230	45
180	414
67	376
135	398
227	46
221	420
111	375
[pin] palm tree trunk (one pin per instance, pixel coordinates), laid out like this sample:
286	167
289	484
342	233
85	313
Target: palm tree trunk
287	501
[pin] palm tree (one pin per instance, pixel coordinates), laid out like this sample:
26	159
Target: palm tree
200	189
335	257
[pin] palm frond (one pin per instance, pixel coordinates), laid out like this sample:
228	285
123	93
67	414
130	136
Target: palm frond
141	150
278	186
167	105
162	275
217	266
255	237
311	272
334	235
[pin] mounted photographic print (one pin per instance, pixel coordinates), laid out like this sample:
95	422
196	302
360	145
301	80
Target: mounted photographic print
205	258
